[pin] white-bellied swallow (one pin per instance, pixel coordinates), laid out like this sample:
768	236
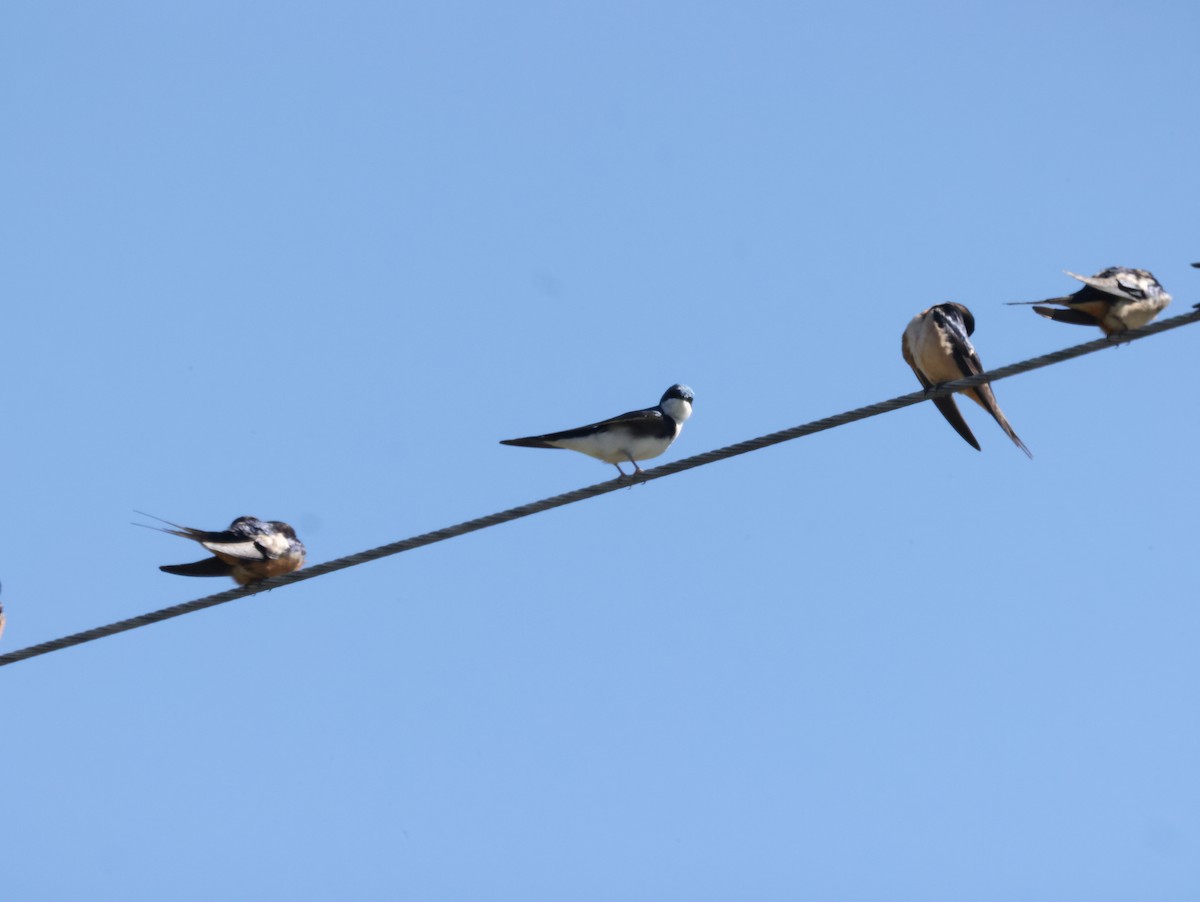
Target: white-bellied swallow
1115	299
637	435
937	346
249	550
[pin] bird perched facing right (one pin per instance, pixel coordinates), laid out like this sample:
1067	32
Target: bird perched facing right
637	435
249	550
1115	299
937	347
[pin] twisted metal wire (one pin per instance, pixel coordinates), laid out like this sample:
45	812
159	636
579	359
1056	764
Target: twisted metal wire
591	491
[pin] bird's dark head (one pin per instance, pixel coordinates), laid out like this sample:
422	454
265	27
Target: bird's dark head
284	529
958	312
248	526
679	393
677	402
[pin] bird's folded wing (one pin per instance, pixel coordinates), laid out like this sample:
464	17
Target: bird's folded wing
633	419
241	549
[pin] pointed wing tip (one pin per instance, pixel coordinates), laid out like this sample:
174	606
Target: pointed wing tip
210	566
1068	315
949	410
532	441
1036	305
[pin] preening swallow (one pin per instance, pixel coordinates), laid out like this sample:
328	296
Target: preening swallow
937	347
249	550
1116	299
637	435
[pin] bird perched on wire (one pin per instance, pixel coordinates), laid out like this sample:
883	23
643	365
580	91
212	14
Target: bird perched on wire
1	620
937	346
1115	299
637	435
249	550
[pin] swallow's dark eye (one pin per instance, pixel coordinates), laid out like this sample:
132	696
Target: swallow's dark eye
1131	290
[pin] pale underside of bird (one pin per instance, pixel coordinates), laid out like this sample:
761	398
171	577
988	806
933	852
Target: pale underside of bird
248	551
1116	299
633	436
936	344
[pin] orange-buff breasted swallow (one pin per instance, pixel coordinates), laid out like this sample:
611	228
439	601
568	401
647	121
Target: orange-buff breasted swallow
937	347
1116	299
249	550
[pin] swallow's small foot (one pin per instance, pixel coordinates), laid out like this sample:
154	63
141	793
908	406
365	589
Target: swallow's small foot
638	473
628	480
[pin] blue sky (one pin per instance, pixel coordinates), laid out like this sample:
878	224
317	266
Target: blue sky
311	262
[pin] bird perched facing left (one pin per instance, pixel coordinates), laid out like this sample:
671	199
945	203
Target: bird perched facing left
637	435
937	347
249	550
1115	299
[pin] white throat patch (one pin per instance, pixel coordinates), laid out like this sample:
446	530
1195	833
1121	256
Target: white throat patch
677	409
